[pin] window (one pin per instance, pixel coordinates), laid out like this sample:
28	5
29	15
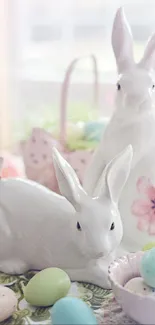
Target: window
140	32
45	36
42	33
88	32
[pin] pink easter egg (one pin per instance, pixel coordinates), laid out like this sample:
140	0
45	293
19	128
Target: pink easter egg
9	168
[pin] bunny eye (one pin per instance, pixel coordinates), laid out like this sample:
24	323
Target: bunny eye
153	86
112	226
78	226
118	86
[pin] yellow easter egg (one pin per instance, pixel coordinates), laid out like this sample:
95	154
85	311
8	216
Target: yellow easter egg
148	246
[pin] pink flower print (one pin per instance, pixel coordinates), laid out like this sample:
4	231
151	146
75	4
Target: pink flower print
144	208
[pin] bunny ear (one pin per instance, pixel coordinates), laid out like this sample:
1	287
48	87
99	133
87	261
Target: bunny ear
68	181
115	176
148	59
122	42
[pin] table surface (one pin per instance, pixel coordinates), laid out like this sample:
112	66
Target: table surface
102	302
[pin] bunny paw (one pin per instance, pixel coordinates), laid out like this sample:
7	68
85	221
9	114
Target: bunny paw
101	277
95	275
13	267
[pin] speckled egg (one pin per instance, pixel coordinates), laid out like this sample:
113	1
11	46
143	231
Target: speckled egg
72	311
147	267
138	286
46	287
8	303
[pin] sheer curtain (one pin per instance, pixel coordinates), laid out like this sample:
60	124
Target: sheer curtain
39	38
5	90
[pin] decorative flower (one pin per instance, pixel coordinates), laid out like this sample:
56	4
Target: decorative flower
144	208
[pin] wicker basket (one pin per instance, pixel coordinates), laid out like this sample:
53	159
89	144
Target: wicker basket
37	150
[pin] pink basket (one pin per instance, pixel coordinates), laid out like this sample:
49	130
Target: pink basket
37	150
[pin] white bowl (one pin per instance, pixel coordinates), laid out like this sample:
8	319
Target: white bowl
140	308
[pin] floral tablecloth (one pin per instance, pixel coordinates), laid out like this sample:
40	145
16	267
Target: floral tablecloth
102	301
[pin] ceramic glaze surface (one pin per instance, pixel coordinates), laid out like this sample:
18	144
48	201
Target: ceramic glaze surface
40	229
133	122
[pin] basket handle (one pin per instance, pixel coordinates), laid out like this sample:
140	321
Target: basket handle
64	94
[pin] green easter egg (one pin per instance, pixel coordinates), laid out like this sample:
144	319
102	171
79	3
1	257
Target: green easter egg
46	287
148	246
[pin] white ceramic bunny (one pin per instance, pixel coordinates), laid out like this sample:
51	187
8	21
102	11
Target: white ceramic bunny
133	122
40	229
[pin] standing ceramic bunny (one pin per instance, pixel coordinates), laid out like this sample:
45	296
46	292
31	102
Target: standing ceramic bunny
133	122
40	229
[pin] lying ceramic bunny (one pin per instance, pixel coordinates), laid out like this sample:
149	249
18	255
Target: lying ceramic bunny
40	229
133	122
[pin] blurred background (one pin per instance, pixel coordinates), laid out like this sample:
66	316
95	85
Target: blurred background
39	39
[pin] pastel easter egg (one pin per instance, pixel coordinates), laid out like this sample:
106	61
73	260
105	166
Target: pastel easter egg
75	130
9	171
148	246
8	303
46	287
93	130
147	267
138	286
72	311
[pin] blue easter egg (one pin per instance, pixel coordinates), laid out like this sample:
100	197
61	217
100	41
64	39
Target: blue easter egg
93	130
72	311
147	267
